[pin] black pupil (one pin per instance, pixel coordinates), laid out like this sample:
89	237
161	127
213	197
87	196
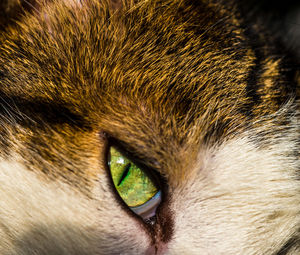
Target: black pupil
125	173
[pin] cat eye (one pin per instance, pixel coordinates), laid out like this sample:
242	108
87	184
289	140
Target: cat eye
134	185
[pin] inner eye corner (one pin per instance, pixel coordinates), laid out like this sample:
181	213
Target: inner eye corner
136	185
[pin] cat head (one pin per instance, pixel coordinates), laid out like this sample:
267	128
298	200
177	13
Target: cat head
185	90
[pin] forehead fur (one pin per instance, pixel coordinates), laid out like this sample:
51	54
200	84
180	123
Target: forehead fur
178	56
175	79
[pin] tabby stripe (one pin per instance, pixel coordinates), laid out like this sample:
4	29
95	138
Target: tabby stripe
293	242
252	85
14	109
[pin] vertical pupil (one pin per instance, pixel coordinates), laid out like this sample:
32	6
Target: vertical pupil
125	173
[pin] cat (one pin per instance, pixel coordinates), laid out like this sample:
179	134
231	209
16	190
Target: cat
147	127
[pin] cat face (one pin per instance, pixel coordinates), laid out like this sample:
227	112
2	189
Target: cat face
190	97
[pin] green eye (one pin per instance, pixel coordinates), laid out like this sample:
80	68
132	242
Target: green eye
133	185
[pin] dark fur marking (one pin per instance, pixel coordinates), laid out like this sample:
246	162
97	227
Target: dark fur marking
252	87
253	76
291	243
15	109
276	49
257	45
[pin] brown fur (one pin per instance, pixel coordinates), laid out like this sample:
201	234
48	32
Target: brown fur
167	79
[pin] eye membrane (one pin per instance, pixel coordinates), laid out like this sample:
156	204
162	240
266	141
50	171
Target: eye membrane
134	185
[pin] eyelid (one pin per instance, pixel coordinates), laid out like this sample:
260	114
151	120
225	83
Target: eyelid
148	209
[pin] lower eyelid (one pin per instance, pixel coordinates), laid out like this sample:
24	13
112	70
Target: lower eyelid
148	209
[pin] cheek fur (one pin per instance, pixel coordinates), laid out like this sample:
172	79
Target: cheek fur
242	199
49	217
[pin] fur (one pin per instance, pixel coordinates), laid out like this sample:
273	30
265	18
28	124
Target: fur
194	90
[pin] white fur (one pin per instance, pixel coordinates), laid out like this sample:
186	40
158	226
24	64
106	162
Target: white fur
239	198
39	217
243	199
